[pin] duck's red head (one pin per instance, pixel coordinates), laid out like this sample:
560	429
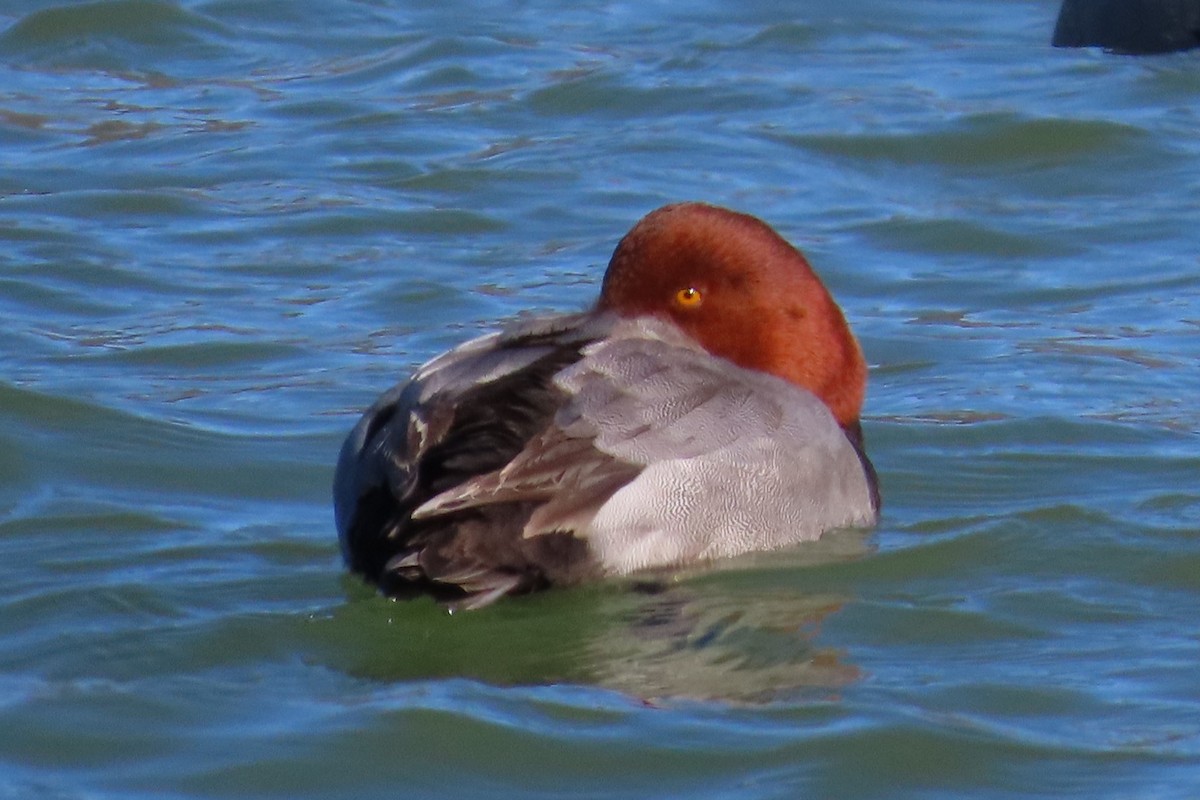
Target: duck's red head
737	287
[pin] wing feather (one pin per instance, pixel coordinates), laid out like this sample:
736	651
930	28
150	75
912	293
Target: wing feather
643	395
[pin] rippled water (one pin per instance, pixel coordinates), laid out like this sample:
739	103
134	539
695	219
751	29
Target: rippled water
228	225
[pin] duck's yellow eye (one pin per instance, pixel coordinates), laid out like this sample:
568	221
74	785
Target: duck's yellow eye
689	297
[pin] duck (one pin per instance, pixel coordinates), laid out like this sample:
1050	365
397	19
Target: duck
706	406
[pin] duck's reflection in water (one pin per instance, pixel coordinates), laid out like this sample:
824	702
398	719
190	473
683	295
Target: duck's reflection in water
745	630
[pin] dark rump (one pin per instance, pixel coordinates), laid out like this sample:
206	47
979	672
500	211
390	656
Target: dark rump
475	428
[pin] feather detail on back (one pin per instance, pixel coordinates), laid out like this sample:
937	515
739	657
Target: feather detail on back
649	417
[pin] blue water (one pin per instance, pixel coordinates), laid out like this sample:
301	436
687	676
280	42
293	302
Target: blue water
225	227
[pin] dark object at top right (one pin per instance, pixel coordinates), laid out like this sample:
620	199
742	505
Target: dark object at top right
1129	27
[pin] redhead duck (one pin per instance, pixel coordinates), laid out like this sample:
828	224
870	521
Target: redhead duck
707	406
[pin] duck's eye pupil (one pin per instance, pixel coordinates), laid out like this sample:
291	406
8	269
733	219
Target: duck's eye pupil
689	297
